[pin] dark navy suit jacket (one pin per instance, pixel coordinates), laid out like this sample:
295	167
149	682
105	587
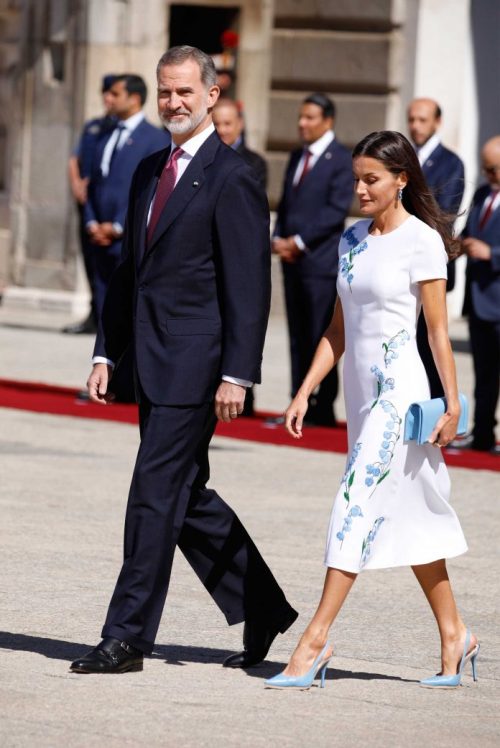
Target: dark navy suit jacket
317	209
483	276
108	196
444	172
195	303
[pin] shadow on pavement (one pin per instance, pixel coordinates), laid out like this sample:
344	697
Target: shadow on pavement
174	654
54	648
266	670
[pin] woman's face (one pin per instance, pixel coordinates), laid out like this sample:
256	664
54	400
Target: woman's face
376	187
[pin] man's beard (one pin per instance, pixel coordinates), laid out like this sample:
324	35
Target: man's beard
190	122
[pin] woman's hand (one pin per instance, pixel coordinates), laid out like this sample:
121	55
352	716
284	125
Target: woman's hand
294	415
445	430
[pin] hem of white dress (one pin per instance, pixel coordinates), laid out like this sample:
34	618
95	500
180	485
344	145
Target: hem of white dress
368	566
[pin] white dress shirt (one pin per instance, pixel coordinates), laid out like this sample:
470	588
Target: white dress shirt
190	148
428	148
119	137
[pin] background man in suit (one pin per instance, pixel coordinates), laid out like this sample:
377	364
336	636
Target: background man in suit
229	124
317	195
481	243
228	121
79	170
115	159
193	295
444	172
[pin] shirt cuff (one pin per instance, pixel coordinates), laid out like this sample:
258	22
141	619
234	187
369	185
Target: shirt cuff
103	360
118	228
300	243
235	380
90	224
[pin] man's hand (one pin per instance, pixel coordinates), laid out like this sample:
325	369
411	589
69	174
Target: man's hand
98	235
476	249
97	384
286	249
229	401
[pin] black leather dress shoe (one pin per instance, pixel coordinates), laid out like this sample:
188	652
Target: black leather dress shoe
110	656
257	639
87	327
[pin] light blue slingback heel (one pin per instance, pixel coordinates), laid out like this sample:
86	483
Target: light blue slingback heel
302	682
453	681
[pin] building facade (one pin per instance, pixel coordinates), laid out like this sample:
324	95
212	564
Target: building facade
371	57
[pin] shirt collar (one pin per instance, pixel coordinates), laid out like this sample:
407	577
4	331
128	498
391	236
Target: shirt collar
191	146
237	143
429	147
132	122
321	144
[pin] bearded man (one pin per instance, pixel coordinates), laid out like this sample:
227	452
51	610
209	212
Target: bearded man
192	296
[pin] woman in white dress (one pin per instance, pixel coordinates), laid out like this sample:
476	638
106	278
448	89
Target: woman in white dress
392	506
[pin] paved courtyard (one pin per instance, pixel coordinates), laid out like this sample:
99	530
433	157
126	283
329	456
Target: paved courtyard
64	484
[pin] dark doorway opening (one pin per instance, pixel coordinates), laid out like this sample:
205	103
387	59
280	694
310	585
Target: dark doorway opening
200	26
215	31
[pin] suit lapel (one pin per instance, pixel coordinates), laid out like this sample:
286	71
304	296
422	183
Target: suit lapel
323	162
186	188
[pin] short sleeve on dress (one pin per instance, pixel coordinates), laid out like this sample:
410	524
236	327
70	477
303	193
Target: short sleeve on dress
429	259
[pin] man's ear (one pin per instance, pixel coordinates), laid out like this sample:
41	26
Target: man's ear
212	96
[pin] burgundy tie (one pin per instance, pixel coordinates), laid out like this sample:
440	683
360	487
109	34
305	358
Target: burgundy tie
305	167
489	209
165	187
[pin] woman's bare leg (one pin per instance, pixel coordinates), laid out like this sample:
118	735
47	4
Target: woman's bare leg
336	588
433	578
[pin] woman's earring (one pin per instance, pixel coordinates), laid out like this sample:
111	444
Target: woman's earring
400	194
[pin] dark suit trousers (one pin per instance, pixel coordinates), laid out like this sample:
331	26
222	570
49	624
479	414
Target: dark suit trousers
105	261
88	257
425	352
309	307
169	504
485	346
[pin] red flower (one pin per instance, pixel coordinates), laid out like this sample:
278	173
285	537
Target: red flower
229	39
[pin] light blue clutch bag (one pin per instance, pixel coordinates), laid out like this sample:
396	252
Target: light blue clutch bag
422	417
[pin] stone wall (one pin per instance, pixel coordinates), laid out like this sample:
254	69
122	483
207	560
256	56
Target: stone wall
343	48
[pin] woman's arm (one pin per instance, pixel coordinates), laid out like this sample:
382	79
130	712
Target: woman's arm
328	353
433	294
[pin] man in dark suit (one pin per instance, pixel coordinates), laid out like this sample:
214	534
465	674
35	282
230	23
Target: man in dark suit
228	121
79	171
192	295
114	161
444	173
316	198
229	124
481	243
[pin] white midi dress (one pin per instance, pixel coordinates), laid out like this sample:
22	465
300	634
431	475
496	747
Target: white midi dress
392	508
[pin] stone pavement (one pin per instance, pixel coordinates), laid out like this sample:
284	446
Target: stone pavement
64	484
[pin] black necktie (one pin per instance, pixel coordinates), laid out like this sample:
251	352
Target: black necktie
120	128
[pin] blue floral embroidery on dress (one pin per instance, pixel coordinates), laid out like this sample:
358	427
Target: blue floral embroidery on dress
380	469
390	352
346	262
348	477
383	383
367	542
354	511
350	237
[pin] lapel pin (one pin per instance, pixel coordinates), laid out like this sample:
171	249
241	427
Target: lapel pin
196	184
328	155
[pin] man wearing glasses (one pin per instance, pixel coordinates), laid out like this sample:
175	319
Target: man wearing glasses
481	244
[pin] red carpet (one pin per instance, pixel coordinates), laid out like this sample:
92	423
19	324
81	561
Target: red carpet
46	398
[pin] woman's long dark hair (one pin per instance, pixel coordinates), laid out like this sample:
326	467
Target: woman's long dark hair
396	153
